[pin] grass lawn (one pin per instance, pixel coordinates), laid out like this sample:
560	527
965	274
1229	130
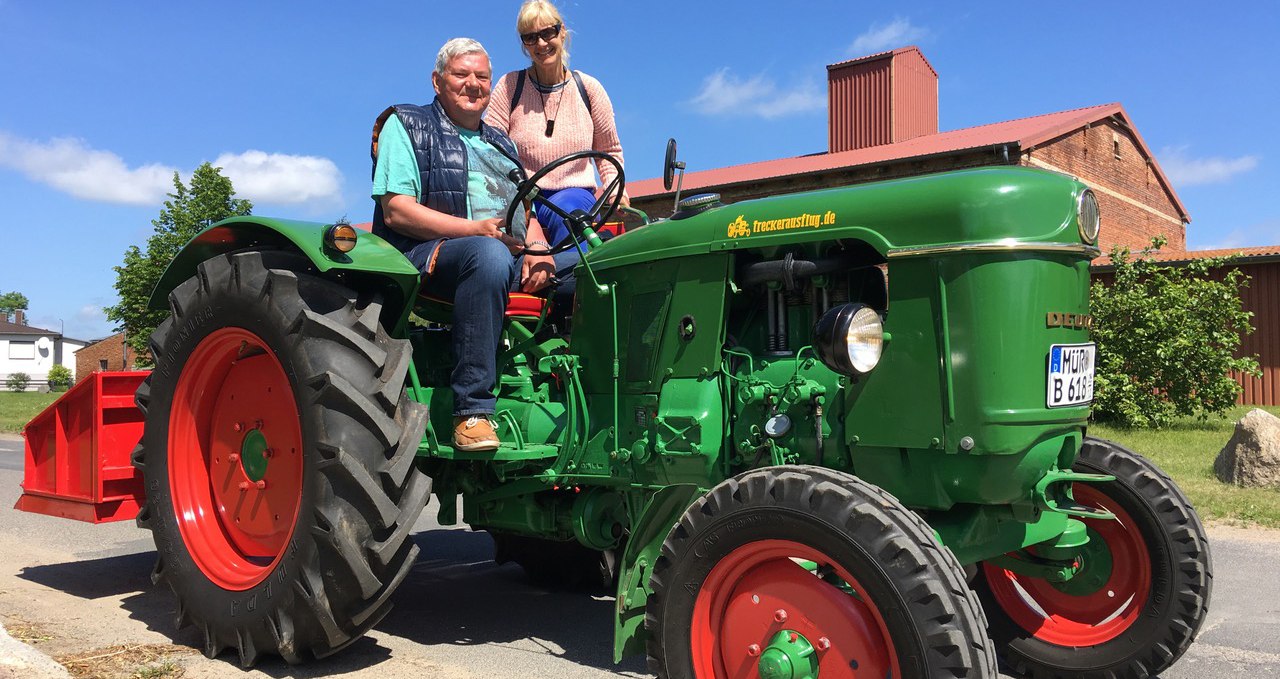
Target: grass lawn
1186	450
17	408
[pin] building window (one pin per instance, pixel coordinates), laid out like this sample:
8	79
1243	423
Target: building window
102	364
1115	145
22	351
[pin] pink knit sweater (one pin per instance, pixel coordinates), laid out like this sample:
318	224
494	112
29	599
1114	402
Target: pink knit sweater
575	128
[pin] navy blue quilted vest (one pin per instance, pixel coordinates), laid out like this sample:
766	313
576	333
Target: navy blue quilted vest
442	162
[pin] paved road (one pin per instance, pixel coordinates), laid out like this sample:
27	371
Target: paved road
459	615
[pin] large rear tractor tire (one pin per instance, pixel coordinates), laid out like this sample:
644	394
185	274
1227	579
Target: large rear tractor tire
1141	594
802	571
278	456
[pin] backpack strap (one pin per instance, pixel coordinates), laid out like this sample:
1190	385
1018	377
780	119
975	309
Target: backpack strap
582	90
519	89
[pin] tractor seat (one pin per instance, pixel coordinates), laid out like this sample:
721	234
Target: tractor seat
520	306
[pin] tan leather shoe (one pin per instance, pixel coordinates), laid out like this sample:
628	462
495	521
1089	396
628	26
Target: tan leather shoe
473	433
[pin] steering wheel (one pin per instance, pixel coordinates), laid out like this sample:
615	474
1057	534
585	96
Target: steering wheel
578	220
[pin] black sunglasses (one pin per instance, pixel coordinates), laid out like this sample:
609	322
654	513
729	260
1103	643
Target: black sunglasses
546	34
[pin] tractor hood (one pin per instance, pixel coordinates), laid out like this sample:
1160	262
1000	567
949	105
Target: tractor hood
1004	206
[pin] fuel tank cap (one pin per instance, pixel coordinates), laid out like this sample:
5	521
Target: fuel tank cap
692	205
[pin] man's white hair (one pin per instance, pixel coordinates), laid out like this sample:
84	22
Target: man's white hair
456	48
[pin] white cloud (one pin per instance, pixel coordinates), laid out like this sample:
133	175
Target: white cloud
71	166
724	93
1252	235
1183	170
282	179
91	313
881	37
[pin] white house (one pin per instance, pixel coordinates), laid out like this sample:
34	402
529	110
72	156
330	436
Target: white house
24	349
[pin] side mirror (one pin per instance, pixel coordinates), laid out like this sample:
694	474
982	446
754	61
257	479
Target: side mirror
670	165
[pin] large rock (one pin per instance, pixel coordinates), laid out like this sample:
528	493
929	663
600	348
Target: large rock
1252	456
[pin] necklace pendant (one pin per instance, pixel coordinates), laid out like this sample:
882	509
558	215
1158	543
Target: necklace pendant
551	127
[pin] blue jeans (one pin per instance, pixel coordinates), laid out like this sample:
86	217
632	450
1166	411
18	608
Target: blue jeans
566	199
475	272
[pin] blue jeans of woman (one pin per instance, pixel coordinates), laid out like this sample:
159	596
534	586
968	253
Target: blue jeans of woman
566	199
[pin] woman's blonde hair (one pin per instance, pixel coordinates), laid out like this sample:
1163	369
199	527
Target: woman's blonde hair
533	12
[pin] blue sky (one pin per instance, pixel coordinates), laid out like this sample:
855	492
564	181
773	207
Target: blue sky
100	102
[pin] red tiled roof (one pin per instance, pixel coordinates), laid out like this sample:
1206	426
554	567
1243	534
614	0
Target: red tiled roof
1186	256
364	226
1026	133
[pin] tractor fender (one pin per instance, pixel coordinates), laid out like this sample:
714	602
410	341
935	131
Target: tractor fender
657	519
372	264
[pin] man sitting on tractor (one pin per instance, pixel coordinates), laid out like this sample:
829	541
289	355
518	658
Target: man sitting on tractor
442	180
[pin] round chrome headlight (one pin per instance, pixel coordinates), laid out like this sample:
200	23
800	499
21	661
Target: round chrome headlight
849	339
1088	217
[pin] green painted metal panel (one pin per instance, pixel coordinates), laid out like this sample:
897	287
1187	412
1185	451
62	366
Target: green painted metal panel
1020	204
373	262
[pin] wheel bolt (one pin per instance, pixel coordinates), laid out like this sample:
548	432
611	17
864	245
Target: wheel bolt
262	484
780	615
753	650
244	485
257	424
268	453
823	644
238	426
233	458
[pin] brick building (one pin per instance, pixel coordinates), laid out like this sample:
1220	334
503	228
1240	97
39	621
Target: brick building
882	123
110	353
876	131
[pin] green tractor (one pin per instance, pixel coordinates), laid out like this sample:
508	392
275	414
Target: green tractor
832	434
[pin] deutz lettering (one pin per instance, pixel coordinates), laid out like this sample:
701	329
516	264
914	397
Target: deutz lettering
1057	320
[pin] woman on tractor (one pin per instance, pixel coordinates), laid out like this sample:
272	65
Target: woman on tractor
549	111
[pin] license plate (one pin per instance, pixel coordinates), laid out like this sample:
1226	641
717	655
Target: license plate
1070	380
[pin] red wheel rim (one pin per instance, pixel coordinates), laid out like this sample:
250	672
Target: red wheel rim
1065	619
235	458
735	614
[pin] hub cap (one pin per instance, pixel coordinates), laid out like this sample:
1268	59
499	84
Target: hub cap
778	609
1101	601
235	458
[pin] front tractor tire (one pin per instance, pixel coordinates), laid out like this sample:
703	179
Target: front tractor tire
804	572
1141	594
278	456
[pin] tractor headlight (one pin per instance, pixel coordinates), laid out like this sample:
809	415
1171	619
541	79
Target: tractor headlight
340	237
1088	217
849	339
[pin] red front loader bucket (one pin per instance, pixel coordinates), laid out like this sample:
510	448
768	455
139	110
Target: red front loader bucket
77	452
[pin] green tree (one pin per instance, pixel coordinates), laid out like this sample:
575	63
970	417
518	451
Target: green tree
190	209
11	302
1167	338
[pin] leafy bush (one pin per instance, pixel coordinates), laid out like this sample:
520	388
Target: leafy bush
59	377
17	381
1166	339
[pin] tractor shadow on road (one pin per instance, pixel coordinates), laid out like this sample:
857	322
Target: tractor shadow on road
458	596
129	577
455	596
126	576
